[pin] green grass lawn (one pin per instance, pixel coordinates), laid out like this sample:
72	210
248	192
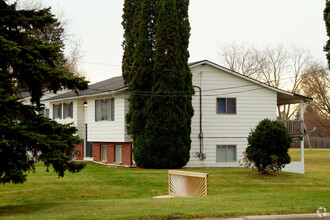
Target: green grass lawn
100	192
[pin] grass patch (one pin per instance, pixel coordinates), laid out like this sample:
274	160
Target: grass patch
99	192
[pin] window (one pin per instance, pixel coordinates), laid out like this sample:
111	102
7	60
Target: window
68	110
104	110
46	113
104	153
226	153
41	112
57	111
118	153
226	105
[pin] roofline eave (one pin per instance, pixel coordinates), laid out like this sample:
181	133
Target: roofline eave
249	79
88	96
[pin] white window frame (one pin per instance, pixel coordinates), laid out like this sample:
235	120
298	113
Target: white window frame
104	149
47	112
118	153
68	110
226	146
57	114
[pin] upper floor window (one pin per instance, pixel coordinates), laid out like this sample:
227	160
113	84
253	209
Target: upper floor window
68	110
65	108
105	110
57	111
226	105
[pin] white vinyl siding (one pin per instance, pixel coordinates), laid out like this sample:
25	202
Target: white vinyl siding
253	104
108	131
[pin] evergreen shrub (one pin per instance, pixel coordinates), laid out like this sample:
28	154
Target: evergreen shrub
268	146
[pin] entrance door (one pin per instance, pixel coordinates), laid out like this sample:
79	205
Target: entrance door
89	145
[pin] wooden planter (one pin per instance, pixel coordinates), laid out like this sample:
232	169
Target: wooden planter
183	183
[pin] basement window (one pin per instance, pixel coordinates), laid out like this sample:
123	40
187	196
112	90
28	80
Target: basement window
118	153
226	153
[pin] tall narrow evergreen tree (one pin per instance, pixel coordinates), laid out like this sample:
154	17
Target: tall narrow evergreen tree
159	117
326	17
129	38
138	62
170	107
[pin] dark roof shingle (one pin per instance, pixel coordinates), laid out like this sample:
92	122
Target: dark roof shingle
107	85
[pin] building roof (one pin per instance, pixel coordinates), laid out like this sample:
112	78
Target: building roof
116	84
283	97
104	87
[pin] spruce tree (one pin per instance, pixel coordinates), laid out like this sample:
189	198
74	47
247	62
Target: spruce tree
29	62
159	117
170	107
326	17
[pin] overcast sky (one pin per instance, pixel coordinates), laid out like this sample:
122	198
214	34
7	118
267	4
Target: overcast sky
213	22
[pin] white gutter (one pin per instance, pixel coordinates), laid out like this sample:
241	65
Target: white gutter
92	95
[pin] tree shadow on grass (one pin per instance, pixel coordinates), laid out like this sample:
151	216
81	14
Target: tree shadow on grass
12	210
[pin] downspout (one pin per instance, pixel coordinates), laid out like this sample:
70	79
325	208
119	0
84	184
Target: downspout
201	155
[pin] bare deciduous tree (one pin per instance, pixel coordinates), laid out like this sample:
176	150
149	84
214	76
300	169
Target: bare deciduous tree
276	66
313	118
240	58
58	32
316	84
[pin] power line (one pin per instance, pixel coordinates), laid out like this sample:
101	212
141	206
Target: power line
177	93
229	93
190	93
281	80
101	64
